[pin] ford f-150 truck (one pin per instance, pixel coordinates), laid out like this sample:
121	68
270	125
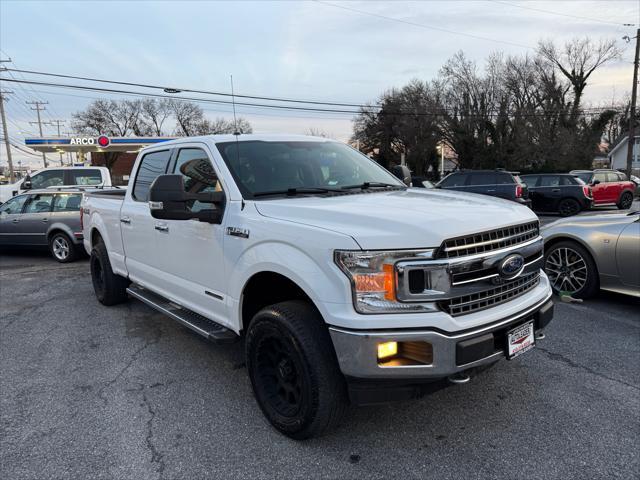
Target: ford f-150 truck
345	285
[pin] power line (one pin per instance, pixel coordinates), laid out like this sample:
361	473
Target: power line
437	112
541	10
39	106
421	25
188	90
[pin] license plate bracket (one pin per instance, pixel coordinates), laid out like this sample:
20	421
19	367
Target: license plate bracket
520	339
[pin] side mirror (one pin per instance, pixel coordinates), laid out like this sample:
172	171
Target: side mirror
26	185
169	201
595	182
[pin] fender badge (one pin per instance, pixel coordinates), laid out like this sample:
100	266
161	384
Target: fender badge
238	232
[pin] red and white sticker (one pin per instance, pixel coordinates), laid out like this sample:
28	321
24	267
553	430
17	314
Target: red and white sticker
520	340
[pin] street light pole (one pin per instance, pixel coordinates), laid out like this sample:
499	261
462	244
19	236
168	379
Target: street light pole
632	117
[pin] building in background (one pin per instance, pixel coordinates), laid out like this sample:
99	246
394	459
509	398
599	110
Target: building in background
618	155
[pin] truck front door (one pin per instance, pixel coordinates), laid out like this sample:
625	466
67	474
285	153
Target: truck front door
137	225
190	251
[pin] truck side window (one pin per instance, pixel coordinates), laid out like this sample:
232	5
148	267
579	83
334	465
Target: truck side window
152	166
198	174
48	178
86	176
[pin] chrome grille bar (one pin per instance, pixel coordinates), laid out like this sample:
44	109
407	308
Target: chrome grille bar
487	298
488	241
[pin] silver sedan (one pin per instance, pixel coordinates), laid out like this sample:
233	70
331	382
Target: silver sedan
591	252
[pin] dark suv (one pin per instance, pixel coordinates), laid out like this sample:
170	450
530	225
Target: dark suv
561	193
497	183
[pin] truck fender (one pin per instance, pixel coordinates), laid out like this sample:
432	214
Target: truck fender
320	284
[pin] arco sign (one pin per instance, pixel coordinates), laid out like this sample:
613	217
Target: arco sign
102	141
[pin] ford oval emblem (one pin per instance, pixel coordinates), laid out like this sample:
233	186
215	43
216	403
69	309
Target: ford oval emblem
511	266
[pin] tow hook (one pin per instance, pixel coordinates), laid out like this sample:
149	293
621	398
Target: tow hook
540	335
460	377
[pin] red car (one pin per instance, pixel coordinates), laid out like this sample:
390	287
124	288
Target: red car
608	187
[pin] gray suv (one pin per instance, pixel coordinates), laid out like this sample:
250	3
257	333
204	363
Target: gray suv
44	218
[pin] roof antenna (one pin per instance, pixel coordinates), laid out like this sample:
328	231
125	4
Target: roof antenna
233	101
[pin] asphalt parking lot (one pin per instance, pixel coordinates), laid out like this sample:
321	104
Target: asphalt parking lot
89	392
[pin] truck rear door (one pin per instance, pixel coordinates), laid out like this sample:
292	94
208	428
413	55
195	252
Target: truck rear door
136	223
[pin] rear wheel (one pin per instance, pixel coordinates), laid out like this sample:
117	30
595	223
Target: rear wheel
571	270
294	371
62	248
110	288
568	207
626	199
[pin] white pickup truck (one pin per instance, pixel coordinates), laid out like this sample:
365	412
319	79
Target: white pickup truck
345	285
57	177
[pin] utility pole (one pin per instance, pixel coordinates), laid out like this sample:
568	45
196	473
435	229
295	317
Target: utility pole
632	117
38	108
58	123
6	134
4	128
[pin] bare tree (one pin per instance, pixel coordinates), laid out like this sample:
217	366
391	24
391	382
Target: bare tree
577	61
188	117
220	126
318	132
109	117
154	114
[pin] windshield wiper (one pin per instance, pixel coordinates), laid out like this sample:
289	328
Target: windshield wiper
291	192
367	185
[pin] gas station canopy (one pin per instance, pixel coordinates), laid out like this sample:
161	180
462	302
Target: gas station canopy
84	144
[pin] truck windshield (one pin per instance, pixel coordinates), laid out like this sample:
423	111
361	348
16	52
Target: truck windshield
280	168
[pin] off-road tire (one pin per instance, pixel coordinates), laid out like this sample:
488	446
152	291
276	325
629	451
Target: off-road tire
292	337
110	289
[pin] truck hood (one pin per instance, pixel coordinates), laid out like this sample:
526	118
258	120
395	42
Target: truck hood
413	218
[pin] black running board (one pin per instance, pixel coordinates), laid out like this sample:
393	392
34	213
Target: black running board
192	320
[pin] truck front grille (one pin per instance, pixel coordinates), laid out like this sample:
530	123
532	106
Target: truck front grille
488	241
488	298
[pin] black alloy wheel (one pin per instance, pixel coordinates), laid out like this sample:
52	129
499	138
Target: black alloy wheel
568	207
626	199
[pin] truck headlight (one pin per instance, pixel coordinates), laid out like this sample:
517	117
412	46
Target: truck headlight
374	279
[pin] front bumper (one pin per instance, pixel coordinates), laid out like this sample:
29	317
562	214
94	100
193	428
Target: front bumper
450	352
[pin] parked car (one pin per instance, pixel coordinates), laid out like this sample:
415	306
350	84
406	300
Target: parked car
496	183
609	187
345	284
558	193
44	218
57	177
636	181
591	252
421	182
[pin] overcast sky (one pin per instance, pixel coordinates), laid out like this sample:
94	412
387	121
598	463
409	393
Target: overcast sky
296	49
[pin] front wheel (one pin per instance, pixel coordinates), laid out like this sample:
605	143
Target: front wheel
62	248
626	199
571	270
294	371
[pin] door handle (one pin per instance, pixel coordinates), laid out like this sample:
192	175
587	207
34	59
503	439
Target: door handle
45	220
162	227
491	190
126	220
555	190
15	220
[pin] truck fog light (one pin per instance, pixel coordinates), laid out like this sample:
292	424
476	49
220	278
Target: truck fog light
405	354
387	349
